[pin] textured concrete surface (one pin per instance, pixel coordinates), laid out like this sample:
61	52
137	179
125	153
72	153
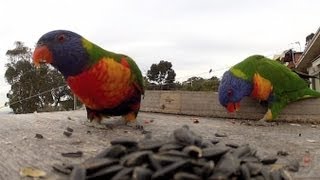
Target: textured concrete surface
20	148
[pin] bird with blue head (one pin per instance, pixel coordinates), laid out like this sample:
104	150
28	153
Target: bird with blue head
265	80
107	83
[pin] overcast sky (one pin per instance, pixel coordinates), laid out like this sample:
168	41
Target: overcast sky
195	35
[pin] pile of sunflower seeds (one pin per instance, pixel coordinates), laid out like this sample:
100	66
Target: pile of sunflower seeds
185	155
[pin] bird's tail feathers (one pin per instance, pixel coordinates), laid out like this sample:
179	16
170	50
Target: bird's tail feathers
308	93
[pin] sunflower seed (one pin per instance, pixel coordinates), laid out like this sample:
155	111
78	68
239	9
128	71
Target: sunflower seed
73	154
141	173
78	173
187	156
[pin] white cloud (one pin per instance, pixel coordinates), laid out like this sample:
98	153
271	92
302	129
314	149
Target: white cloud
194	35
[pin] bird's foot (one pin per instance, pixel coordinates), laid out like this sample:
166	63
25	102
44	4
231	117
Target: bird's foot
113	122
96	124
263	122
130	120
266	120
135	124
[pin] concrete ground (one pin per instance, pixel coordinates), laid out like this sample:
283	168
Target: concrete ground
20	148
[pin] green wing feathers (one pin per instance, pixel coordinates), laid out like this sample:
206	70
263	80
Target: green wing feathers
307	93
282	78
287	86
136	74
96	53
285	82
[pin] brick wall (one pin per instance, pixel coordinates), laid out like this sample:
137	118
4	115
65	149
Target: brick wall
207	104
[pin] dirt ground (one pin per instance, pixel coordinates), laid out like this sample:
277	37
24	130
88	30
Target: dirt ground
20	148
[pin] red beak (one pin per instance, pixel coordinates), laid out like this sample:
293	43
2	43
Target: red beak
42	55
231	107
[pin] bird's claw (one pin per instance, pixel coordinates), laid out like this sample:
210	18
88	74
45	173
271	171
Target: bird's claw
109	126
139	127
135	125
263	122
96	124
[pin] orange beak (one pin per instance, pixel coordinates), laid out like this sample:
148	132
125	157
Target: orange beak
231	107
41	55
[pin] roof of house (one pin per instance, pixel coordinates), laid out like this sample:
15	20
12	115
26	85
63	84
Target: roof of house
310	53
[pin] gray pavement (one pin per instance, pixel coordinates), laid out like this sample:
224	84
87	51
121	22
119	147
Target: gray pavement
20	148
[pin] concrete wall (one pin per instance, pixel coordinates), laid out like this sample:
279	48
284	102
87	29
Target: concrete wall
207	104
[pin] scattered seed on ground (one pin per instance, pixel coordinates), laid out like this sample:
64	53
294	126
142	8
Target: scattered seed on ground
183	155
195	121
220	135
73	154
69	129
282	153
39	136
67	133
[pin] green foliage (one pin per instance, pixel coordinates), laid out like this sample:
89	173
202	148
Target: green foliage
161	76
201	84
34	89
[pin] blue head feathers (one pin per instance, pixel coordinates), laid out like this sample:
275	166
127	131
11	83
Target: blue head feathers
232	89
65	51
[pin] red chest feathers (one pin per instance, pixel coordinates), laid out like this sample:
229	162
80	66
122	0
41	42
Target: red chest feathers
105	85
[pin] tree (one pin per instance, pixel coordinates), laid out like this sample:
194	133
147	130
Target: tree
161	75
193	84
212	84
201	84
34	89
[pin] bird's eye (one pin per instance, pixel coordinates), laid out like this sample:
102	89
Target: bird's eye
229	92
61	38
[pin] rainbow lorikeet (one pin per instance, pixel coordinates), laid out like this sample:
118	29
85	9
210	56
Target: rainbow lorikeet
265	80
108	84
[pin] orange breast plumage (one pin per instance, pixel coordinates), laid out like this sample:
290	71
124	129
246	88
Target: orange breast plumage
104	85
261	87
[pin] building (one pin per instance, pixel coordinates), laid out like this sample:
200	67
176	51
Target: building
289	58
309	62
